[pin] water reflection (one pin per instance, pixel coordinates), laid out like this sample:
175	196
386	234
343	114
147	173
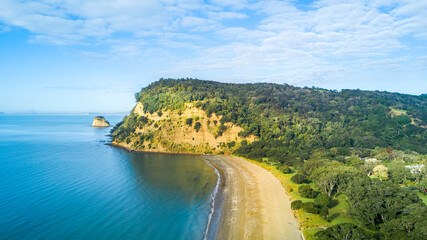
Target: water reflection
173	176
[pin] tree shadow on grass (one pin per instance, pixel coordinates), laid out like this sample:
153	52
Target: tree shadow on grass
332	217
333	203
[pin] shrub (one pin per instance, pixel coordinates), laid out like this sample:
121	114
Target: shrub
323	211
299	178
297	204
189	122
221	129
310	207
284	169
231	144
197	126
306	191
322	200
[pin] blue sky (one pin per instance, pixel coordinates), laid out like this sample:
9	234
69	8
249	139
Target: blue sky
92	56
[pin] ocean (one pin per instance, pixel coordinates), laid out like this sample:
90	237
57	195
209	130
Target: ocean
59	180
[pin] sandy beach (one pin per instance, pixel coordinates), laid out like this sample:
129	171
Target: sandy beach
255	203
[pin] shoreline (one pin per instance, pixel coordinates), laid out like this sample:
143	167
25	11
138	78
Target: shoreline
250	202
152	151
217	203
255	205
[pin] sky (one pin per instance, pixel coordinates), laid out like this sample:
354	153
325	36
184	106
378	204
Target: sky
72	56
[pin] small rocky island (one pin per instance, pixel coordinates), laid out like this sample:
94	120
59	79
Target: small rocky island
99	121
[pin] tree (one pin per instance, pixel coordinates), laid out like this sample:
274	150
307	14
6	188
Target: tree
345	231
310	207
300	178
334	177
381	171
411	224
323	211
189	121
197	126
353	161
322	200
284	169
306	191
326	178
423	185
399	173
376	202
297	204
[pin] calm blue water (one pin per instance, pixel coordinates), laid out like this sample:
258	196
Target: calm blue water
60	181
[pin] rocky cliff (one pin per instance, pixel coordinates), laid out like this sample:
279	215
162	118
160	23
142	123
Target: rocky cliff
100	121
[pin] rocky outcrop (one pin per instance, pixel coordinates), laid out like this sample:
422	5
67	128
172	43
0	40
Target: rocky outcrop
100	121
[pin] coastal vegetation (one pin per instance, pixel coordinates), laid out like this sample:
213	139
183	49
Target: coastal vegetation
352	161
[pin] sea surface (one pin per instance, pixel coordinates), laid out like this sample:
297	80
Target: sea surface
59	180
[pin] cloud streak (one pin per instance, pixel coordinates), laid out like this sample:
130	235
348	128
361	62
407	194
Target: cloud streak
265	40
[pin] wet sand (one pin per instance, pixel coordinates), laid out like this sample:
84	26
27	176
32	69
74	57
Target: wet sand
255	203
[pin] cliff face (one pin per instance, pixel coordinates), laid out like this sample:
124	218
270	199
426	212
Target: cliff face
100	122
184	131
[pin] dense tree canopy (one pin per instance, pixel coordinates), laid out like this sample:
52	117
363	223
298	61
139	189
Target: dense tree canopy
293	122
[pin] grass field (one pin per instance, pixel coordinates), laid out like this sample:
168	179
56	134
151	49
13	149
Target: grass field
310	223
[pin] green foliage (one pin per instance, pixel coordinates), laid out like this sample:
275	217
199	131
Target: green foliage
345	231
189	121
353	161
322	200
300	178
302	119
231	144
374	202
334	177
221	129
197	126
310	207
297	204
323	211
306	191
423	185
411	225
284	169
399	173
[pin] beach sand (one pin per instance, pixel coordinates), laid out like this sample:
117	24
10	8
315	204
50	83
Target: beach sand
255	203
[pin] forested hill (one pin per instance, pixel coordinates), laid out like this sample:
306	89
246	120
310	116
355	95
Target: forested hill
285	121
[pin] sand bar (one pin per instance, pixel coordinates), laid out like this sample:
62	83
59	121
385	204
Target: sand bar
255	205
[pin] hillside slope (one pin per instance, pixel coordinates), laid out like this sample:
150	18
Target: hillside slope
270	120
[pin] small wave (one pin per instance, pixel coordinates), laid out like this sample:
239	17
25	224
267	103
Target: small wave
213	196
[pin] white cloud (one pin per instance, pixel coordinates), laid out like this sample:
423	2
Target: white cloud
4	29
226	15
196	24
234	4
264	39
421	62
